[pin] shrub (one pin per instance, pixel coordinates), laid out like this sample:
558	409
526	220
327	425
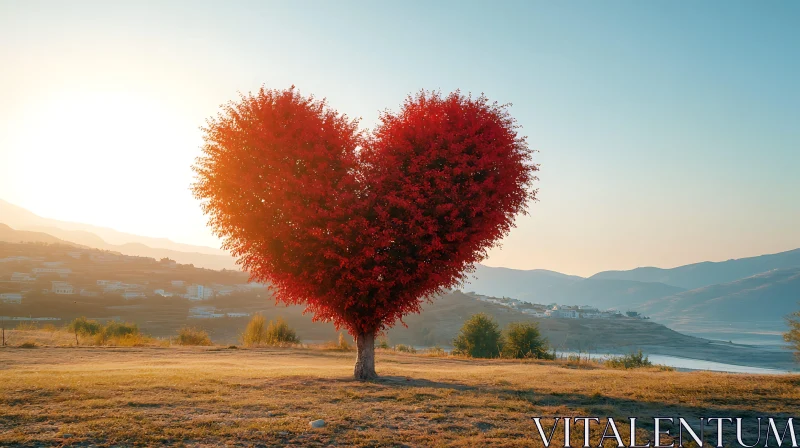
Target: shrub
277	332
130	340
793	335
28	344
118	329
122	334
629	361
255	332
192	336
523	340
27	326
404	348
85	327
117	333
479	337
435	351
343	344
382	342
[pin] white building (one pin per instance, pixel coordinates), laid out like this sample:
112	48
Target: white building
162	293
204	312
564	314
128	295
22	277
177	282
13	259
238	314
199	292
52	264
60	271
62	288
11	297
75	254
225	291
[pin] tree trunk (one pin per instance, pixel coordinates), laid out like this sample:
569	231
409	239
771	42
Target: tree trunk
365	360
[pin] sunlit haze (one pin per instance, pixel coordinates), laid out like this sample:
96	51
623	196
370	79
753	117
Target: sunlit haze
666	135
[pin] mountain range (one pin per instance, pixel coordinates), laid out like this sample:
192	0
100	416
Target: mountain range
707	273
765	287
764	297
36	228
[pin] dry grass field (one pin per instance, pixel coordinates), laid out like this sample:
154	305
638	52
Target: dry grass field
191	396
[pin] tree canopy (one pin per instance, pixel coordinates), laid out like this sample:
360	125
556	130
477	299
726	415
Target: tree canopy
362	227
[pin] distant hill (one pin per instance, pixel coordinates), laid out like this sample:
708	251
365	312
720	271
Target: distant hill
9	235
766	297
82	238
708	273
524	285
543	286
22	219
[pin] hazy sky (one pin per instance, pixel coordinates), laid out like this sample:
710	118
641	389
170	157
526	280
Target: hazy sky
669	132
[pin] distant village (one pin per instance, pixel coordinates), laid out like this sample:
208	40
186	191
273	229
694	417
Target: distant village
93	273
555	310
22	276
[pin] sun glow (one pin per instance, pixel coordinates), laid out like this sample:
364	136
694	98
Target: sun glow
111	158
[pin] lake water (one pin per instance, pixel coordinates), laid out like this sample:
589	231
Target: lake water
690	364
766	334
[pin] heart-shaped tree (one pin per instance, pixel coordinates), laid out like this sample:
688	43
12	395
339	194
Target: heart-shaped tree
362	227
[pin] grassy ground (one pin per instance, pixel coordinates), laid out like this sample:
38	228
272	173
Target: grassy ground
264	397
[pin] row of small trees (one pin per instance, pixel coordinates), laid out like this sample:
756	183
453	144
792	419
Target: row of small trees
793	335
92	332
481	337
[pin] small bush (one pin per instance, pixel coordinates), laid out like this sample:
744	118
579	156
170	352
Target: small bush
131	340
50	328
404	348
629	361
255	332
277	332
382	342
479	337
117	333
85	327
27	326
523	340
28	344
192	336
793	335
435	351
343	344
120	334
119	329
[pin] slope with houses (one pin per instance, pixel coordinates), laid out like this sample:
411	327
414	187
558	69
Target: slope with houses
555	310
33	271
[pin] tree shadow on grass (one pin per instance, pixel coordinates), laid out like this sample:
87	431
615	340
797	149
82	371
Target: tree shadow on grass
603	406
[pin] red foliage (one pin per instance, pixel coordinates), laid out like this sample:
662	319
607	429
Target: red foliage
362	227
